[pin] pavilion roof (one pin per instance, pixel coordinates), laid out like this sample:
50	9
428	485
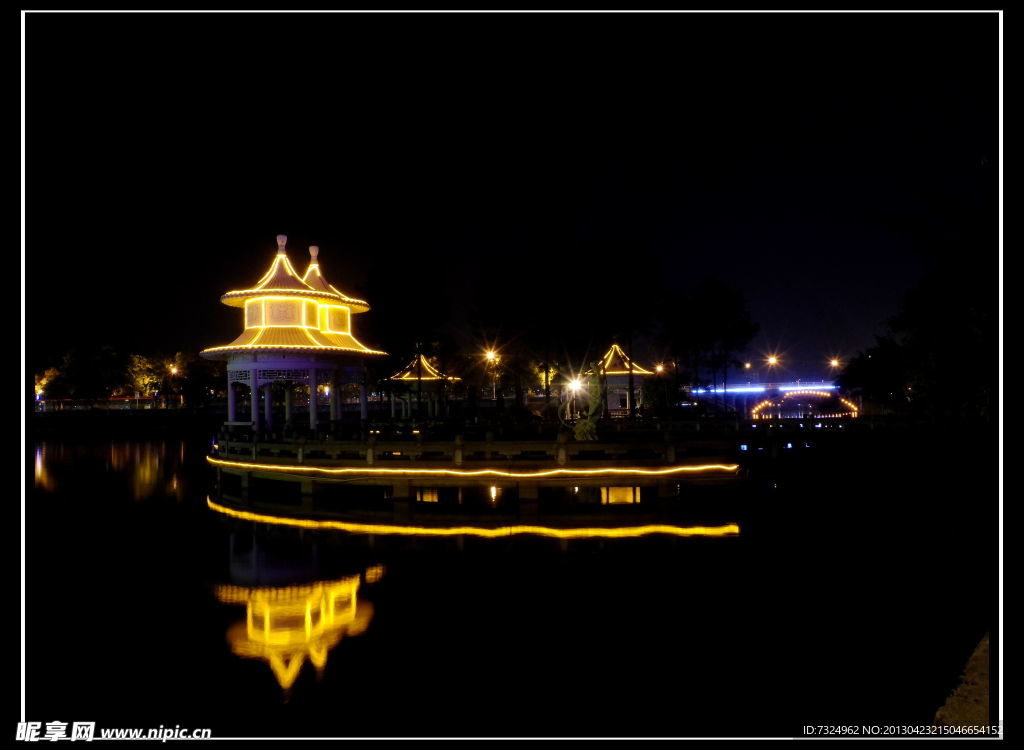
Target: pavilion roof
281	279
315	279
615	362
269	338
413	372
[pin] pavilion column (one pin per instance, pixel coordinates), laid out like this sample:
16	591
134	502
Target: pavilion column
312	398
392	404
268	405
232	401
288	404
335	398
254	407
364	411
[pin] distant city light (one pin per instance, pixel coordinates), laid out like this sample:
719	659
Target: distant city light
772	360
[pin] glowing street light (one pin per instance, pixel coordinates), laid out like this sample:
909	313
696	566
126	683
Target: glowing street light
772	360
833	362
492	360
659	368
575	386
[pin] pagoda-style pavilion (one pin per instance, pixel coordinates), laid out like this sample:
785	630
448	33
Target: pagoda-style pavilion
298	332
616	366
421	376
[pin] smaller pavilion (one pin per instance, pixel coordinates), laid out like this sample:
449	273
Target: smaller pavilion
422	378
298	335
615	366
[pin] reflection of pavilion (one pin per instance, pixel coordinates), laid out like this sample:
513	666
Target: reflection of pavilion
286	625
615	366
423	378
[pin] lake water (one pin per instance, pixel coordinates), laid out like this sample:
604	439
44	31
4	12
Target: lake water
860	583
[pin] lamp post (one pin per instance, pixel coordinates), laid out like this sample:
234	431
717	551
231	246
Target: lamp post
574	387
492	360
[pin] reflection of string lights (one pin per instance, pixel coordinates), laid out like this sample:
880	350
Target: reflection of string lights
622	532
372	471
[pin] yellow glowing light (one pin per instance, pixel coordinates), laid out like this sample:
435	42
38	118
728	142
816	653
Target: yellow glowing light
773	360
625	365
747	365
620	532
284	312
494	493
174	370
834	362
373	471
286	625
619	495
659	368
491	355
575	384
808	392
425	371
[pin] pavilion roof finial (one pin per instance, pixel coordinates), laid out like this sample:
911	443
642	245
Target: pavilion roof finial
282	240
313	250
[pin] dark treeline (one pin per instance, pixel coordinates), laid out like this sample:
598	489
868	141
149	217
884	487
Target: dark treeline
697	334
939	356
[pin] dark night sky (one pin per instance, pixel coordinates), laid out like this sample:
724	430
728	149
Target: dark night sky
461	168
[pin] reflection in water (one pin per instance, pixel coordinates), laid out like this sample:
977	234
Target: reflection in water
151	468
295	609
619	495
286	625
44	480
596	532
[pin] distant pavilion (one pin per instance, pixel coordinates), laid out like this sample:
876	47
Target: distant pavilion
298	332
423	377
616	367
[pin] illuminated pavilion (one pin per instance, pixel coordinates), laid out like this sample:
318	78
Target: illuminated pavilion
298	332
616	367
420	375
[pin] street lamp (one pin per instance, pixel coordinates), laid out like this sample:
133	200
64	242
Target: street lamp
574	387
492	360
